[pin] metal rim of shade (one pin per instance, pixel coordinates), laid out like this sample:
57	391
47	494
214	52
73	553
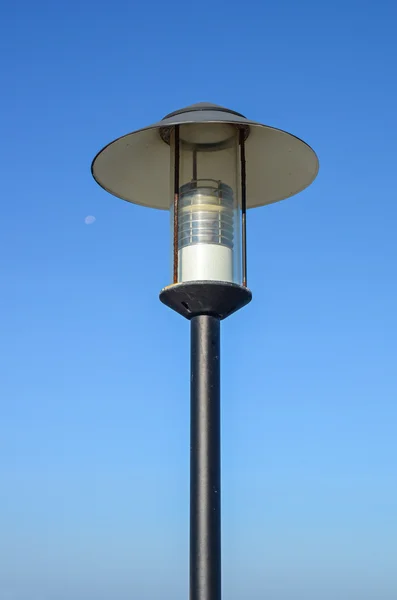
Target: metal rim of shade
136	167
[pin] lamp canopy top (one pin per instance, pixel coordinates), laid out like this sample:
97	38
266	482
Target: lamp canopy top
204	107
136	166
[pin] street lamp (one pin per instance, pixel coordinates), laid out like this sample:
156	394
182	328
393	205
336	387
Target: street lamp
207	165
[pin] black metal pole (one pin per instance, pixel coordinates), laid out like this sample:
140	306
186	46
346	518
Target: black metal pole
205	463
205	304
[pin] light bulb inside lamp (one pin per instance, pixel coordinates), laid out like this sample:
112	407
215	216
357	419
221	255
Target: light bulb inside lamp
205	231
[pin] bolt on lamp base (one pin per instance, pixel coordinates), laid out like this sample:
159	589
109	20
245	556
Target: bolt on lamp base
216	298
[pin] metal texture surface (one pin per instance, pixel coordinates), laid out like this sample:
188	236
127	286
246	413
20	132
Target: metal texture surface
217	298
205	460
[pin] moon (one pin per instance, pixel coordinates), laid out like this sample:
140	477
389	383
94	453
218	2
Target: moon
89	220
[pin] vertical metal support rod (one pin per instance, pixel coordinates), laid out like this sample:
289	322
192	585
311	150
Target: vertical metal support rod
205	460
243	206
195	166
176	201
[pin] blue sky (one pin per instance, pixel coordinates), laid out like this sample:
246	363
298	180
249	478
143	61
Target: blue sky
95	370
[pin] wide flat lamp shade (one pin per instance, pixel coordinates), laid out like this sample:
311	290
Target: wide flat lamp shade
136	167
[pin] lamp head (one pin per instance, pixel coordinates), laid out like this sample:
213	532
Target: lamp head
207	165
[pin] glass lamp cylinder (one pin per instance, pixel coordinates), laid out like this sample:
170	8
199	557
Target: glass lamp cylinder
207	162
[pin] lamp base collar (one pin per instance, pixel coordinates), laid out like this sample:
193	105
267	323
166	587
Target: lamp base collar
216	298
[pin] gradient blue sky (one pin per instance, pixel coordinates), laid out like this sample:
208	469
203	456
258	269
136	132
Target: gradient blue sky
95	370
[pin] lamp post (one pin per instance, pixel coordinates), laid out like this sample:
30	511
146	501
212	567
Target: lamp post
207	165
